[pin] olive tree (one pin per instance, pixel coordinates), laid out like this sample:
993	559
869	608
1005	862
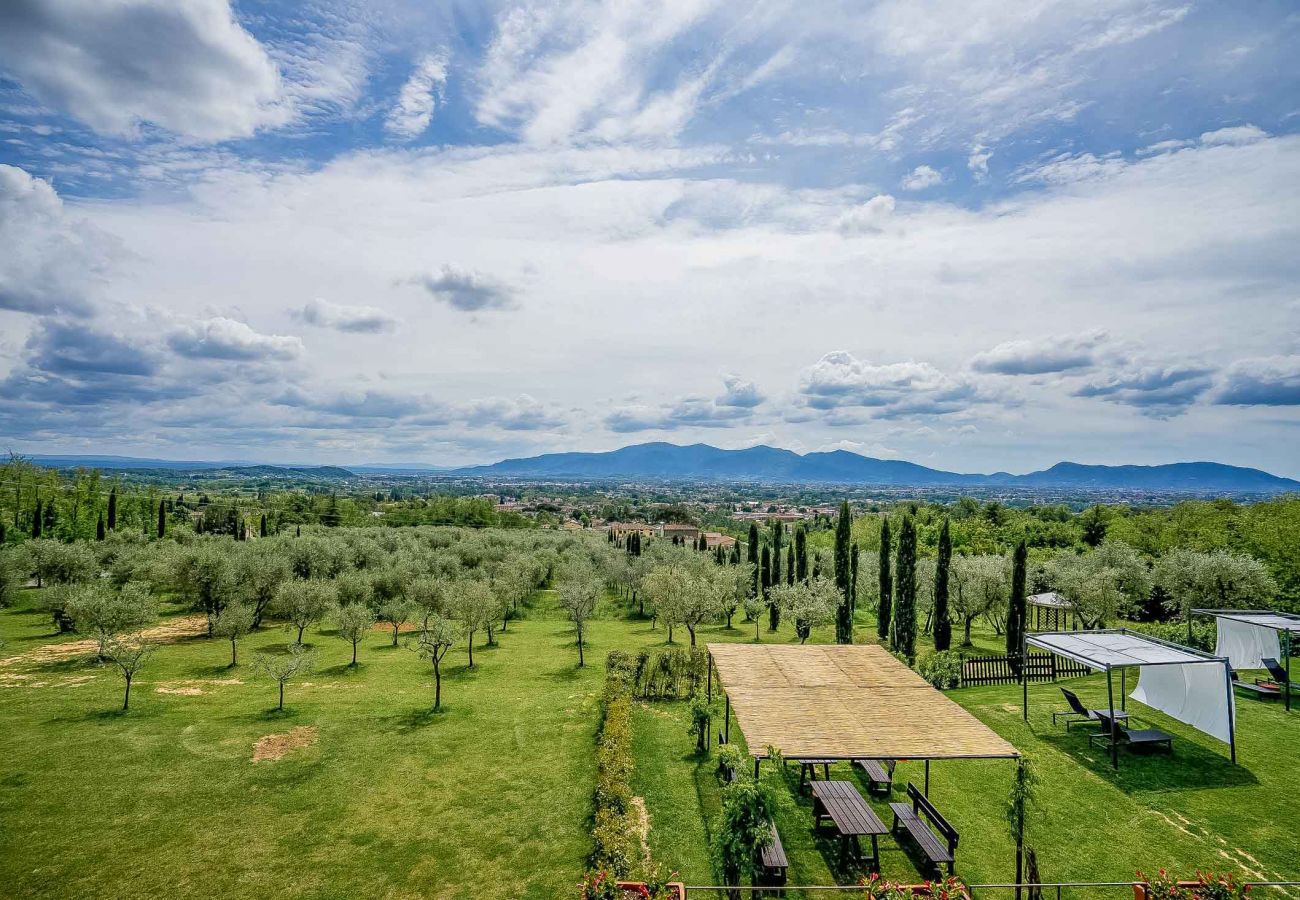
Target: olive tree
475	606
978	585
304	603
284	667
129	654
436	638
353	620
579	590
395	613
1215	580
232	623
1102	583
259	572
98	610
808	604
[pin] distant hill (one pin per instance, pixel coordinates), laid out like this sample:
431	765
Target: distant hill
702	462
262	471
123	463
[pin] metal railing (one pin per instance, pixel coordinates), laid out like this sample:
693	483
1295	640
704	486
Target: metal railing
1060	890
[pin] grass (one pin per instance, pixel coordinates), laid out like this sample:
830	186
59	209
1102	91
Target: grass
491	797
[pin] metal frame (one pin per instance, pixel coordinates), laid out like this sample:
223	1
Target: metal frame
1240	615
1110	685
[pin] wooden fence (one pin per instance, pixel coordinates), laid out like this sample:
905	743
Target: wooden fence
977	670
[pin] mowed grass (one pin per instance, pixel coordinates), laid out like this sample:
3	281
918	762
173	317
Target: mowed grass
492	797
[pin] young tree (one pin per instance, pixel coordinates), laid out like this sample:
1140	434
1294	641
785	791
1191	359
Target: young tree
395	613
885	598
98	610
304	603
438	636
129	654
904	624
942	616
666	587
809	604
754	607
259	572
844	575
579	591
353	621
232	623
1016	611
978	584
284	667
475	607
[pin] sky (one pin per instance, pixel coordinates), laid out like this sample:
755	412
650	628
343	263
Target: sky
977	235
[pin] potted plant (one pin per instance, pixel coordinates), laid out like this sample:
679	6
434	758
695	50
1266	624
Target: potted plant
1207	886
950	888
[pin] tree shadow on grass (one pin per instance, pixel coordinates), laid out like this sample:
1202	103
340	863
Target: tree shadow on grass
77	663
569	672
416	719
343	669
1154	770
111	714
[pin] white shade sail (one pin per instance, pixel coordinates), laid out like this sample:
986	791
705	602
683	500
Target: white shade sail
1246	641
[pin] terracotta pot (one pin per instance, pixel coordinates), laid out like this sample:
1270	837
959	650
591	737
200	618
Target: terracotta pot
634	889
1141	890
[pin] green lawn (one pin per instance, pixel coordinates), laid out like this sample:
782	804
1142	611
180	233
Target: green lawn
491	798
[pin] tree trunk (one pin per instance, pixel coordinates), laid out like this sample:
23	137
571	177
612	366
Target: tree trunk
301	629
966	641
691	629
396	625
126	698
232	653
354	653
437	683
581	660
471	649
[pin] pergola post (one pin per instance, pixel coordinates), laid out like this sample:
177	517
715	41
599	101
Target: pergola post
1123	688
1286	653
1110	701
1024	677
709	667
1232	715
927	778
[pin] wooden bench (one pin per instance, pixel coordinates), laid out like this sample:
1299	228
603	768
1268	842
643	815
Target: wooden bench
772	861
1262	689
852	816
880	774
808	769
940	848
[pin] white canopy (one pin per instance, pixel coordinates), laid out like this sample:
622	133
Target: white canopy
1181	682
1049	600
1248	637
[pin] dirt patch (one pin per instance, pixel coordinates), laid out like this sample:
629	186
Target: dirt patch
183	691
274	746
641	816
76	681
168	632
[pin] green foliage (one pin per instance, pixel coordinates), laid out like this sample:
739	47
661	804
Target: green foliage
615	835
903	626
702	714
743	827
941	668
942	613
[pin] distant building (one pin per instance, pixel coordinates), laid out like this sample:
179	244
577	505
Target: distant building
621	529
714	539
686	532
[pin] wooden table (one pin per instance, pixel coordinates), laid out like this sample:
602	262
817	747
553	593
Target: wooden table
852	816
808	769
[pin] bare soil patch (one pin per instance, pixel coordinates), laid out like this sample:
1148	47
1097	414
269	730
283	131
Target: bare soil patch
274	746
168	632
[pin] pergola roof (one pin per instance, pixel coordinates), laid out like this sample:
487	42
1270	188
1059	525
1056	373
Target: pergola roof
1049	600
1116	648
845	702
1278	621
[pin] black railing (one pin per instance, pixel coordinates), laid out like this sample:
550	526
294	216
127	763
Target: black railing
977	670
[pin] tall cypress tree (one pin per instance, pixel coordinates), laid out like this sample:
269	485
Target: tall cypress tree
36	520
112	510
1016	608
773	612
843	575
752	547
262	527
904	625
853	577
777	533
789	563
162	519
942	616
801	553
99	528
886	604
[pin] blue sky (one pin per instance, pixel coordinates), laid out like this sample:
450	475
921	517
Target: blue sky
977	235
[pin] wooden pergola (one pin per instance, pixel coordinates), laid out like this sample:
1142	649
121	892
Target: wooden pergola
843	702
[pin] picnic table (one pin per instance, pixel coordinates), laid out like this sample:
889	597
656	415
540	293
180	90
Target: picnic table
852	816
808	769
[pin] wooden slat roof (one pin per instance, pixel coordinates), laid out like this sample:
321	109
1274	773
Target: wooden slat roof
845	702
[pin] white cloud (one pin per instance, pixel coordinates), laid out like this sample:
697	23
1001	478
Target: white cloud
419	97
467	290
365	319
839	380
1040	356
869	217
1267	381
184	65
228	339
1233	137
922	177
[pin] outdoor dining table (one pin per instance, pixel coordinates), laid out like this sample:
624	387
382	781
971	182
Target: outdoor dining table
852	816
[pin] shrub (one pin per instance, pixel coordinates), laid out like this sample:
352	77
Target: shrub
614	835
1204	632
941	669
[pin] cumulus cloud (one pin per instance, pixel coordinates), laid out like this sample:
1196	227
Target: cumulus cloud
360	403
187	66
522	413
736	404
1040	356
466	290
978	161
1264	381
840	380
361	319
419	97
922	177
740	393
1156	390
228	339
1234	136
869	217
50	262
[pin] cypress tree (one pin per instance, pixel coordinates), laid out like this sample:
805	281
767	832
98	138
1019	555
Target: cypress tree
843	575
262	527
853	577
789	564
776	551
886	583
162	519
801	553
904	625
36	520
752	546
773	611
1016	608
112	510
99	528
48	525
942	617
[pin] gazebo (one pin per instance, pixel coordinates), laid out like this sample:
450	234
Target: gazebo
1184	683
1052	607
843	702
1246	637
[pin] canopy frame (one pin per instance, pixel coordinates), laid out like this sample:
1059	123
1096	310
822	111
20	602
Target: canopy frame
1036	639
1245	615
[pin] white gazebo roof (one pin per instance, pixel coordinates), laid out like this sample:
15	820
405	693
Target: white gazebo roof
1050	600
1113	649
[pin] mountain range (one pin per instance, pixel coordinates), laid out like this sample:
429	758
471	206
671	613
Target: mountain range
771	464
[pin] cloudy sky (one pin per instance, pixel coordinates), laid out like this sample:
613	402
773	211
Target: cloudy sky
978	235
